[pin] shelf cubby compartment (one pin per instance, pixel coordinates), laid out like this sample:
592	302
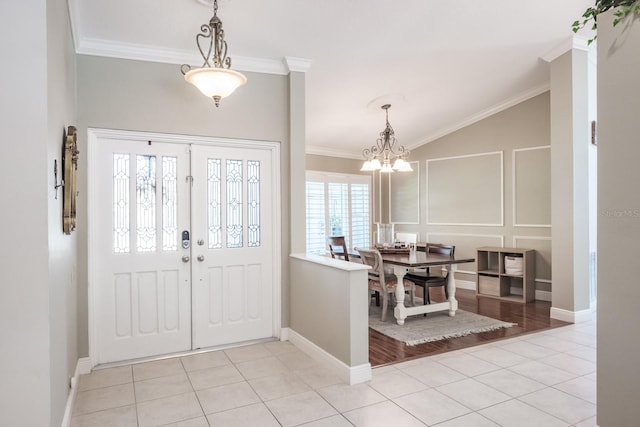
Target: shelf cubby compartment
506	273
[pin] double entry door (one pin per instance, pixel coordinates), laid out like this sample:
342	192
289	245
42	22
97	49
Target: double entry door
181	246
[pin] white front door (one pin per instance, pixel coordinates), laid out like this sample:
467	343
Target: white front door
154	292
232	271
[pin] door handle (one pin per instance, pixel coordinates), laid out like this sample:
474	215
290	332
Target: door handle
185	259
200	258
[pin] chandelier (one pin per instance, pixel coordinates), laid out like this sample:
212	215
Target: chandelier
214	79
379	156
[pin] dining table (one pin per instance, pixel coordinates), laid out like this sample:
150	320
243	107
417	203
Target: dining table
401	261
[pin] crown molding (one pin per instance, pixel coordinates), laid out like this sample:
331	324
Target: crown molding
574	42
137	52
297	64
324	151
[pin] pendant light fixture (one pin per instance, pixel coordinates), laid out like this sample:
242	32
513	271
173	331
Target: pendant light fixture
215	78
379	156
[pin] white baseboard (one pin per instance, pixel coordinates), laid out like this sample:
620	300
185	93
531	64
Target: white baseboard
572	316
349	374
82	367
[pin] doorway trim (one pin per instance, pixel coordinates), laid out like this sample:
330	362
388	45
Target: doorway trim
95	134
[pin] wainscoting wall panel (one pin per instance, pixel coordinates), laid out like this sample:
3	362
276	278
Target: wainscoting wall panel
466	190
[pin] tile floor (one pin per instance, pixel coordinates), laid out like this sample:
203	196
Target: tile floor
542	379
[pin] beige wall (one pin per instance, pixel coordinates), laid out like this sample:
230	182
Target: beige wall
570	192
315	162
618	222
145	96
63	252
38	292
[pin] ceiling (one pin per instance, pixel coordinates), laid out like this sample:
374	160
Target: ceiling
441	64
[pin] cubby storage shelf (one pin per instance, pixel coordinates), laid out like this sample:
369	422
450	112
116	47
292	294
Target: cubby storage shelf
493	280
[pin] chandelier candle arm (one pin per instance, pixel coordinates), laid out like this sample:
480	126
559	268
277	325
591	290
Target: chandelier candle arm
379	156
215	78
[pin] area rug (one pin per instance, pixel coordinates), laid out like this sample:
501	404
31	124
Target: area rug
436	326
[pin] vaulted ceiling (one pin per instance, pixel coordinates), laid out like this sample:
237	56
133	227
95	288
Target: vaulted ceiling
441	64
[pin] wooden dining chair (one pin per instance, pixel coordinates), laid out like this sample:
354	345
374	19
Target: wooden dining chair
338	247
381	282
427	279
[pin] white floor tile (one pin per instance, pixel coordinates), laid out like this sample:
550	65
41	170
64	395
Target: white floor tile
212	377
499	356
263	367
553	343
468	365
334	421
300	408
431	406
104	398
514	413
319	377
383	414
346	397
473	394
225	397
105	378
278	348
157	388
210	359
247	416
543	373
560	404
277	386
586	353
542	379
509	382
433	373
157	368
124	416
528	350
297	360
591	422
248	352
470	420
582	387
193	422
570	363
168	410
395	383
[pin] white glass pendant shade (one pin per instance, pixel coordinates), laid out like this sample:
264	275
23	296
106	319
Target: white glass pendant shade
386	168
215	82
405	167
375	164
402	166
366	167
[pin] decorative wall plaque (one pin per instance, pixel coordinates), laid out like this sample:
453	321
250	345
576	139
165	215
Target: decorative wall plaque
70	166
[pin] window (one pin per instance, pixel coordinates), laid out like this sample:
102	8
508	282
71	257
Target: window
337	204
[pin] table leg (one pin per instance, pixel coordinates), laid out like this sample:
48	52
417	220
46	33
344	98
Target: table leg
400	311
451	289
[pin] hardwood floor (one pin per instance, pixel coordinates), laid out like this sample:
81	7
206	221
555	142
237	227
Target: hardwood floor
530	317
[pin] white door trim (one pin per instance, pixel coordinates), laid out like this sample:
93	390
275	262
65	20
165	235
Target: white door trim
94	134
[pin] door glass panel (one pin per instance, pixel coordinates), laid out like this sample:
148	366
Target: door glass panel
121	230
214	205
234	203
253	203
146	203
169	204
